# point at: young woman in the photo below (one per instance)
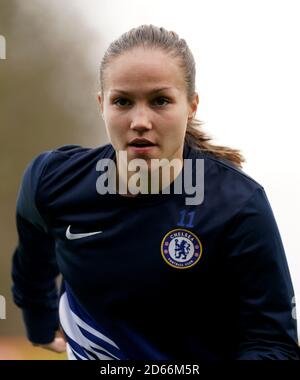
(151, 275)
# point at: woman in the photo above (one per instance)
(151, 274)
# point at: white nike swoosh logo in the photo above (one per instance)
(71, 236)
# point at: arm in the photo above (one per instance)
(34, 268)
(257, 263)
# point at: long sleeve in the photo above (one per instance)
(34, 268)
(258, 266)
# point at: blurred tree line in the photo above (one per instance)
(48, 86)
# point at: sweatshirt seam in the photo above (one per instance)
(232, 169)
(238, 213)
(37, 188)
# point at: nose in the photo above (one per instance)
(140, 119)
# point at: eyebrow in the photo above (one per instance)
(154, 91)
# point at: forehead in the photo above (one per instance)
(142, 70)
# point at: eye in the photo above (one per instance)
(161, 101)
(121, 102)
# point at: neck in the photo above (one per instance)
(150, 178)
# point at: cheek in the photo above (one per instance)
(115, 133)
(114, 123)
(179, 113)
(175, 124)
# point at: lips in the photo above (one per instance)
(141, 143)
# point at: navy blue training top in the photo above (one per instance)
(158, 279)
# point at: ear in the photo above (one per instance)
(100, 100)
(193, 106)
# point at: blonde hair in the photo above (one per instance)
(151, 36)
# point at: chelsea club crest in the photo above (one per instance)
(181, 248)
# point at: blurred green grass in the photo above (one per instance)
(19, 348)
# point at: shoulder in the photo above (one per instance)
(229, 171)
(59, 159)
(66, 152)
(50, 172)
(227, 188)
(58, 162)
(224, 169)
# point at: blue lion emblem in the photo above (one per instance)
(182, 249)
